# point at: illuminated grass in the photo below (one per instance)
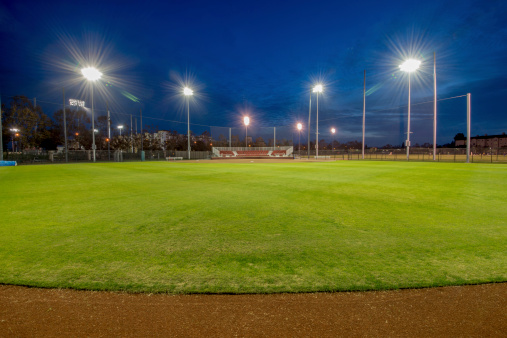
(217, 227)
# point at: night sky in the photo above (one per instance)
(261, 59)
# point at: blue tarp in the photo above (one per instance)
(7, 163)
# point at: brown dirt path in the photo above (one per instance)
(472, 311)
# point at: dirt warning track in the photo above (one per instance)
(472, 311)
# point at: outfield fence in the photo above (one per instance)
(80, 156)
(477, 155)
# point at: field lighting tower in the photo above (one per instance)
(317, 89)
(188, 92)
(92, 74)
(409, 66)
(246, 120)
(300, 126)
(120, 127)
(14, 133)
(332, 131)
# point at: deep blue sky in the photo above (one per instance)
(262, 58)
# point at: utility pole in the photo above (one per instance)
(309, 120)
(1, 133)
(108, 132)
(469, 122)
(142, 134)
(364, 108)
(65, 128)
(434, 106)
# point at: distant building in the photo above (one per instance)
(163, 135)
(486, 141)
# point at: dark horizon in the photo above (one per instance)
(262, 59)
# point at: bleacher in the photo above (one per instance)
(253, 153)
(279, 153)
(227, 153)
(243, 152)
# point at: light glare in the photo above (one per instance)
(300, 126)
(410, 65)
(333, 130)
(317, 88)
(187, 91)
(91, 73)
(246, 120)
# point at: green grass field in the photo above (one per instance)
(211, 227)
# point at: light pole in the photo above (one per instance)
(317, 89)
(409, 66)
(309, 123)
(188, 92)
(246, 120)
(92, 74)
(300, 126)
(14, 133)
(120, 127)
(332, 131)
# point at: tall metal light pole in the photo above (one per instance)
(188, 92)
(469, 123)
(300, 126)
(332, 140)
(317, 89)
(65, 128)
(14, 133)
(364, 111)
(309, 121)
(434, 106)
(92, 74)
(409, 66)
(246, 120)
(108, 133)
(1, 133)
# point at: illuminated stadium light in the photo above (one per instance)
(91, 73)
(411, 65)
(317, 88)
(246, 120)
(300, 126)
(333, 130)
(188, 92)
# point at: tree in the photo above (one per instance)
(34, 126)
(222, 141)
(77, 121)
(459, 136)
(259, 142)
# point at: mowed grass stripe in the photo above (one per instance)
(255, 227)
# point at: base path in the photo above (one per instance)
(472, 311)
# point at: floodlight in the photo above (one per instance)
(410, 65)
(300, 126)
(317, 88)
(187, 91)
(333, 130)
(246, 119)
(91, 73)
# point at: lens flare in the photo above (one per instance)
(91, 73)
(411, 65)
